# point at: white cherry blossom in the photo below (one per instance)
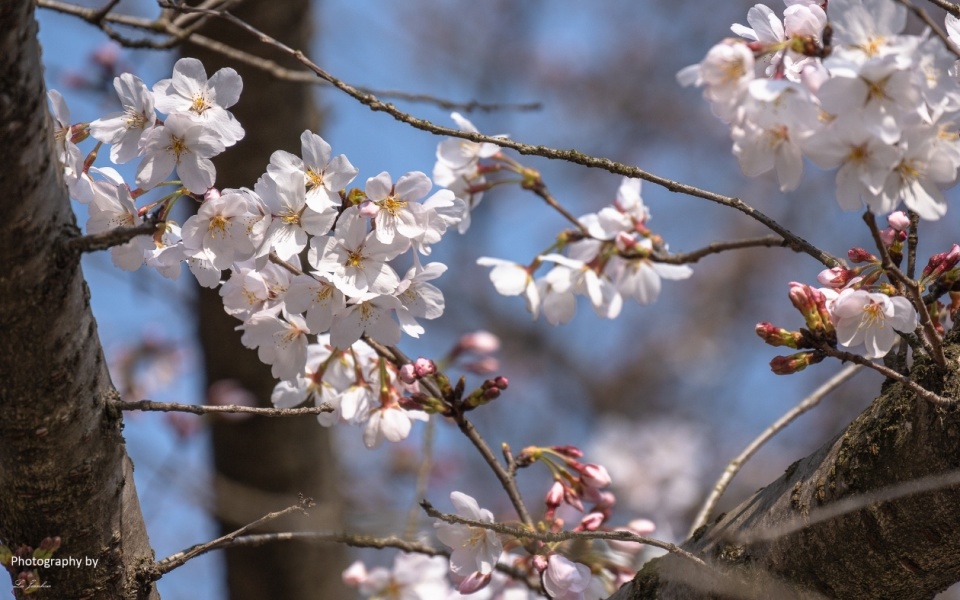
(190, 92)
(867, 322)
(124, 129)
(474, 549)
(181, 144)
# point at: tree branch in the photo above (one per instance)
(735, 465)
(108, 239)
(769, 241)
(150, 405)
(179, 30)
(573, 156)
(179, 559)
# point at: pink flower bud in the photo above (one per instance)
(591, 522)
(888, 236)
(484, 366)
(474, 583)
(625, 241)
(481, 342)
(211, 194)
(898, 220)
(554, 495)
(860, 255)
(503, 383)
(776, 336)
(568, 451)
(368, 209)
(595, 476)
(786, 365)
(424, 366)
(408, 373)
(837, 277)
(540, 563)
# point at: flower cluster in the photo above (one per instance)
(611, 258)
(847, 89)
(305, 323)
(856, 309)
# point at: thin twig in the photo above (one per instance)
(177, 34)
(891, 374)
(734, 466)
(562, 536)
(180, 558)
(508, 482)
(108, 239)
(150, 405)
(913, 238)
(930, 338)
(573, 156)
(950, 7)
(770, 241)
(539, 188)
(933, 25)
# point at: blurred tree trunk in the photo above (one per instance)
(262, 464)
(64, 469)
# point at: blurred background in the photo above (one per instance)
(664, 396)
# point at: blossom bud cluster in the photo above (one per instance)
(846, 88)
(609, 260)
(305, 323)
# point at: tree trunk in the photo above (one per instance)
(874, 513)
(64, 470)
(263, 464)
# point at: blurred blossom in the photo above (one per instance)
(657, 466)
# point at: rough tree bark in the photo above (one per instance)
(871, 514)
(64, 470)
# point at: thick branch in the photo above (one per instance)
(871, 514)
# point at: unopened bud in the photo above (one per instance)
(474, 583)
(408, 374)
(775, 336)
(595, 476)
(540, 563)
(837, 277)
(481, 342)
(568, 451)
(898, 220)
(591, 521)
(554, 495)
(860, 255)
(805, 299)
(211, 194)
(484, 366)
(787, 365)
(424, 367)
(368, 209)
(942, 262)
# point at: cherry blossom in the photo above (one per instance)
(179, 144)
(124, 129)
(189, 92)
(474, 548)
(323, 176)
(866, 322)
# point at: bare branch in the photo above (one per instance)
(186, 25)
(891, 374)
(951, 7)
(109, 239)
(933, 25)
(769, 241)
(734, 466)
(573, 156)
(179, 559)
(150, 405)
